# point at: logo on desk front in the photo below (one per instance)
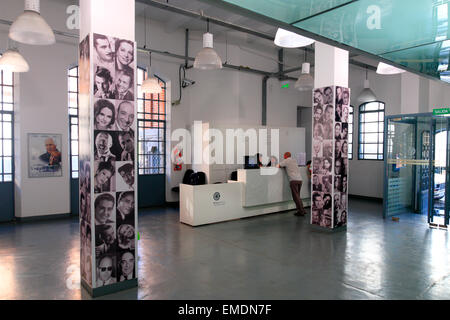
(216, 196)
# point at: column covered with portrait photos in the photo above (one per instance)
(107, 147)
(329, 199)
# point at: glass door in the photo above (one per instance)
(400, 166)
(439, 200)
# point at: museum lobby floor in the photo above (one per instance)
(277, 256)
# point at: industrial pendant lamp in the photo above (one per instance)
(12, 60)
(305, 82)
(384, 68)
(151, 84)
(30, 27)
(288, 39)
(207, 58)
(366, 94)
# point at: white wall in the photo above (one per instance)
(41, 107)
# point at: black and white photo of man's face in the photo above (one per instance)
(105, 268)
(103, 48)
(125, 115)
(337, 167)
(328, 93)
(127, 263)
(127, 176)
(123, 83)
(318, 97)
(126, 142)
(102, 143)
(104, 211)
(317, 114)
(108, 235)
(318, 201)
(328, 113)
(102, 84)
(126, 204)
(316, 180)
(346, 98)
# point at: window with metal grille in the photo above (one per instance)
(6, 125)
(371, 131)
(350, 132)
(72, 78)
(151, 114)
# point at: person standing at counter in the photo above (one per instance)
(295, 181)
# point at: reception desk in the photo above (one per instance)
(257, 192)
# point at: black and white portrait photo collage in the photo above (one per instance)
(114, 155)
(107, 161)
(330, 156)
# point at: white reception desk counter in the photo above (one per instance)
(257, 192)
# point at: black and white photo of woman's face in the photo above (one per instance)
(125, 53)
(346, 98)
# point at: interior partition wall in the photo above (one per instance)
(416, 168)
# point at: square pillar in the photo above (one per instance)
(107, 146)
(331, 101)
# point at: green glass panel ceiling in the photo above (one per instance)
(413, 33)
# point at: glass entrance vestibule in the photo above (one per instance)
(416, 166)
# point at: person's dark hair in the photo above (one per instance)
(98, 37)
(127, 167)
(100, 105)
(329, 161)
(127, 73)
(104, 73)
(318, 108)
(327, 88)
(103, 197)
(329, 106)
(105, 166)
(125, 194)
(316, 195)
(123, 133)
(309, 162)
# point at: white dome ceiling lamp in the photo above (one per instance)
(366, 94)
(305, 82)
(12, 60)
(386, 69)
(151, 84)
(207, 58)
(30, 27)
(288, 39)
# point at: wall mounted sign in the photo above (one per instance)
(44, 155)
(441, 112)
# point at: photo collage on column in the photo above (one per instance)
(341, 156)
(84, 166)
(322, 157)
(114, 144)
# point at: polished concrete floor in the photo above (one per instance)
(277, 256)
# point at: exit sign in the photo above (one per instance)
(441, 111)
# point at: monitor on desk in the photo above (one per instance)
(251, 162)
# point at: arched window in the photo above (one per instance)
(6, 125)
(151, 114)
(72, 85)
(371, 131)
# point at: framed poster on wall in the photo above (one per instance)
(44, 155)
